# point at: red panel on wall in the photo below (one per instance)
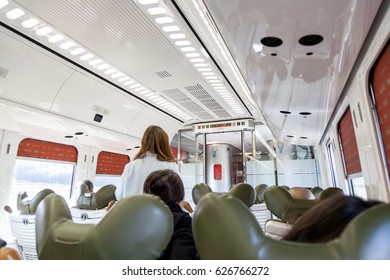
(111, 163)
(47, 150)
(217, 172)
(348, 142)
(381, 88)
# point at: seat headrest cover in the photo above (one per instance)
(224, 228)
(26, 206)
(260, 190)
(100, 199)
(245, 192)
(329, 192)
(137, 227)
(239, 229)
(316, 191)
(199, 190)
(281, 203)
(301, 193)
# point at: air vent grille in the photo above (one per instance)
(164, 74)
(202, 95)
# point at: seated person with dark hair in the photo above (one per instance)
(326, 220)
(89, 184)
(169, 187)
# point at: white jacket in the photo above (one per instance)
(136, 171)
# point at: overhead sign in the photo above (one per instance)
(231, 125)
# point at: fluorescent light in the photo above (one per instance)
(200, 65)
(147, 2)
(3, 3)
(15, 13)
(110, 71)
(28, 23)
(123, 79)
(192, 55)
(177, 36)
(139, 88)
(116, 75)
(44, 31)
(134, 86)
(156, 11)
(95, 61)
(162, 20)
(86, 56)
(171, 28)
(77, 51)
(188, 49)
(67, 45)
(204, 69)
(197, 60)
(129, 82)
(56, 38)
(183, 43)
(102, 66)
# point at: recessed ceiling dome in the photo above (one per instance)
(311, 40)
(271, 41)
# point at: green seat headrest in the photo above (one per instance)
(29, 206)
(137, 227)
(225, 229)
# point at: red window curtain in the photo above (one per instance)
(34, 148)
(381, 89)
(349, 145)
(111, 163)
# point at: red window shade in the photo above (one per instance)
(348, 142)
(47, 150)
(381, 89)
(111, 163)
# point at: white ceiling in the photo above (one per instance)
(261, 81)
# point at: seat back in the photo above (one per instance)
(137, 227)
(95, 200)
(29, 206)
(23, 230)
(243, 191)
(316, 191)
(260, 190)
(225, 229)
(301, 193)
(284, 206)
(324, 194)
(199, 190)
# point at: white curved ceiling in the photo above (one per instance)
(252, 79)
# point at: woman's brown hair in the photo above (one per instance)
(166, 184)
(155, 140)
(327, 219)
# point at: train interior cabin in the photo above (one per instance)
(253, 94)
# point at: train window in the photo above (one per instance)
(109, 169)
(330, 153)
(350, 155)
(103, 180)
(43, 165)
(379, 94)
(33, 175)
